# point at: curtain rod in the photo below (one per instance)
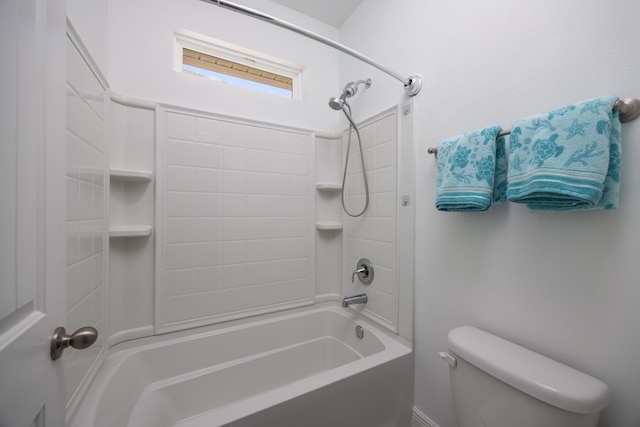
(412, 84)
(628, 108)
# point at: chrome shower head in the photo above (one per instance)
(337, 103)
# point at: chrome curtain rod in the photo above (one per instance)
(412, 84)
(629, 109)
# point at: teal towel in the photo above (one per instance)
(567, 159)
(500, 180)
(466, 171)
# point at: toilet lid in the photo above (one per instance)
(532, 373)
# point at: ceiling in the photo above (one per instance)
(332, 12)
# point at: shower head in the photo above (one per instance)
(337, 103)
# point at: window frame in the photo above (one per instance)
(185, 39)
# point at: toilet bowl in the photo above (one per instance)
(496, 383)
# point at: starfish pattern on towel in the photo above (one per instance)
(576, 128)
(594, 106)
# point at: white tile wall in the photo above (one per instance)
(86, 211)
(373, 235)
(235, 223)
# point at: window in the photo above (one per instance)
(210, 58)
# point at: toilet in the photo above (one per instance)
(496, 383)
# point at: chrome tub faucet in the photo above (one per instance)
(355, 299)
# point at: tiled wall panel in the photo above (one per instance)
(235, 219)
(86, 211)
(373, 235)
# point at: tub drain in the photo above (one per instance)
(359, 331)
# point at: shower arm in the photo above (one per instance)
(412, 84)
(352, 88)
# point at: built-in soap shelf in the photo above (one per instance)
(329, 226)
(130, 231)
(134, 178)
(329, 187)
(131, 175)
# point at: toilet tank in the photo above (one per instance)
(496, 383)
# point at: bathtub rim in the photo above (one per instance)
(395, 346)
(163, 338)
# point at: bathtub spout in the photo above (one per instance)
(356, 299)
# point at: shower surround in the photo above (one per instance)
(235, 239)
(235, 218)
(234, 207)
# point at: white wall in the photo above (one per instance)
(141, 54)
(562, 284)
(89, 18)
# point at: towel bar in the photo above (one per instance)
(629, 109)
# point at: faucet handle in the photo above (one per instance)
(364, 271)
(358, 271)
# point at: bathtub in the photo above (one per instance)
(303, 367)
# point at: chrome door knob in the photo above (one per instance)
(82, 338)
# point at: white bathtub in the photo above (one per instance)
(304, 367)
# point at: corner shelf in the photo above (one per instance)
(328, 193)
(135, 179)
(130, 231)
(131, 175)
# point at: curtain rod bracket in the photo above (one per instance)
(413, 87)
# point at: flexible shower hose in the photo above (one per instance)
(353, 126)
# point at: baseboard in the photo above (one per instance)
(421, 420)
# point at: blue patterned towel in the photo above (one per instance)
(500, 180)
(567, 159)
(466, 171)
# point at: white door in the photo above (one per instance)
(32, 210)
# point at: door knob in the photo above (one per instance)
(82, 338)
